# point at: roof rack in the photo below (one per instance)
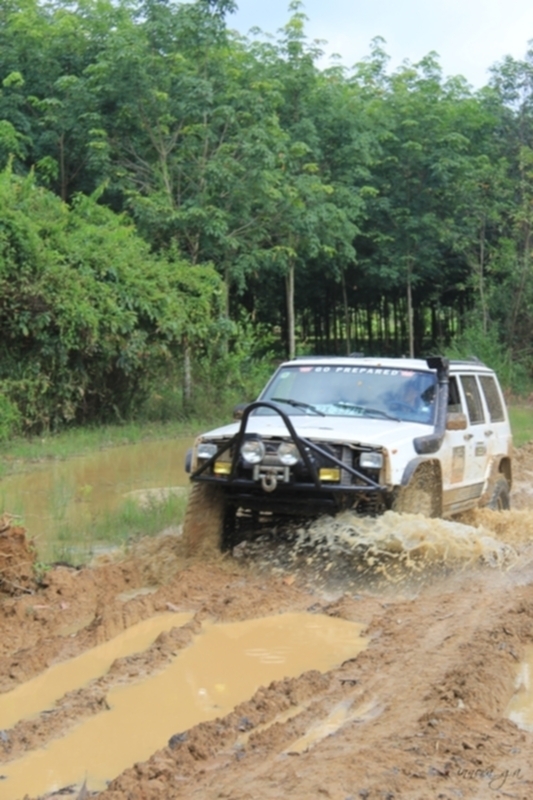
(314, 355)
(306, 358)
(469, 360)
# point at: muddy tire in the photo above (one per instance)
(204, 518)
(500, 496)
(422, 495)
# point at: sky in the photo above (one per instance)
(468, 35)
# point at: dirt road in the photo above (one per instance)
(419, 714)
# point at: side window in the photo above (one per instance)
(492, 397)
(454, 398)
(473, 399)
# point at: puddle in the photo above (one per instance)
(224, 666)
(520, 709)
(78, 489)
(279, 719)
(335, 720)
(339, 716)
(41, 692)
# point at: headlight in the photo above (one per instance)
(253, 451)
(206, 450)
(371, 460)
(288, 454)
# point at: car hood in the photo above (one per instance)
(362, 430)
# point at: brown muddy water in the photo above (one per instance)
(349, 552)
(73, 493)
(225, 665)
(39, 693)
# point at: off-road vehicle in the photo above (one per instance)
(370, 434)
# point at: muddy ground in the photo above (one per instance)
(447, 626)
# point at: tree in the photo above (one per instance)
(88, 317)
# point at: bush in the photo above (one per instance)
(513, 374)
(89, 317)
(9, 418)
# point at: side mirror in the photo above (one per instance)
(238, 410)
(456, 422)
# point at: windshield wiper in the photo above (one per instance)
(298, 404)
(366, 410)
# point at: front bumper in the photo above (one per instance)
(324, 478)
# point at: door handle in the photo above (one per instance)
(489, 433)
(468, 436)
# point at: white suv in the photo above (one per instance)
(329, 433)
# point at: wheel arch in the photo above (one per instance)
(420, 475)
(421, 463)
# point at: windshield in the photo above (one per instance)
(349, 391)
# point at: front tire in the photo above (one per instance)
(204, 518)
(422, 495)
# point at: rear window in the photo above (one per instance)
(473, 399)
(492, 397)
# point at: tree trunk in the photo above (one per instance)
(289, 288)
(187, 379)
(369, 328)
(482, 298)
(347, 326)
(410, 321)
(335, 324)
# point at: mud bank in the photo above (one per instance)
(420, 713)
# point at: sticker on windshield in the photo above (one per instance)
(356, 370)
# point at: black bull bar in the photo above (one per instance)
(239, 484)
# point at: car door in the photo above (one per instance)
(464, 449)
(478, 435)
(498, 431)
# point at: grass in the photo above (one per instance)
(77, 543)
(21, 453)
(521, 424)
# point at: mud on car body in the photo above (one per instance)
(371, 434)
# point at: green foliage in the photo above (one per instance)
(514, 375)
(9, 417)
(88, 317)
(339, 207)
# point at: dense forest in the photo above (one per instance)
(179, 202)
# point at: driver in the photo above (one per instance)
(420, 398)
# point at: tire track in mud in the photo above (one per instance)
(425, 725)
(213, 592)
(424, 705)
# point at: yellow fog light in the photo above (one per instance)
(330, 474)
(222, 467)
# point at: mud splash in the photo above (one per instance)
(349, 552)
(225, 665)
(412, 539)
